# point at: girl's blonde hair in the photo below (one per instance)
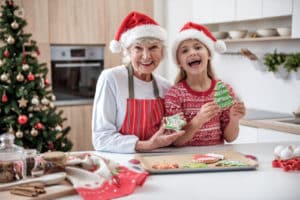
(182, 74)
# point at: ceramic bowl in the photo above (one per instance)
(220, 34)
(236, 34)
(283, 31)
(266, 32)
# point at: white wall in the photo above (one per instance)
(257, 89)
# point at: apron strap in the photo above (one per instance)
(131, 86)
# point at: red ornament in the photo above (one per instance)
(38, 52)
(39, 126)
(30, 77)
(22, 119)
(47, 82)
(11, 3)
(50, 145)
(4, 98)
(6, 53)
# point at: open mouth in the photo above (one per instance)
(147, 64)
(194, 63)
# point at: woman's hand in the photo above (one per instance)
(207, 111)
(237, 111)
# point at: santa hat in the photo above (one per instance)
(196, 31)
(136, 25)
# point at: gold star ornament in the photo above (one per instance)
(22, 102)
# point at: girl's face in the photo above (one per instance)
(193, 56)
(145, 58)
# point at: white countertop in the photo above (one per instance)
(264, 183)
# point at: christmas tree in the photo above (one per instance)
(222, 96)
(26, 104)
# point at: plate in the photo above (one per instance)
(147, 162)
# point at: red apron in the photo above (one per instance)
(143, 116)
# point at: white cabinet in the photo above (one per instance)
(267, 135)
(248, 9)
(213, 11)
(274, 8)
(247, 134)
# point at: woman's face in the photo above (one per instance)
(145, 57)
(193, 56)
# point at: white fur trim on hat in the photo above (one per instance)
(115, 46)
(213, 46)
(148, 30)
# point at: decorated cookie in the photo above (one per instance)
(175, 122)
(222, 96)
(165, 166)
(207, 158)
(231, 163)
(195, 165)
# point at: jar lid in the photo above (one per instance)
(8, 150)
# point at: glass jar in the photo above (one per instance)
(12, 165)
(30, 156)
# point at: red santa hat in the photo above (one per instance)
(196, 31)
(136, 25)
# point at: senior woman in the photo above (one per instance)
(128, 105)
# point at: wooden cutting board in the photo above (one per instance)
(147, 162)
(52, 192)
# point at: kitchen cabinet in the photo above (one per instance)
(115, 11)
(268, 135)
(247, 134)
(79, 118)
(248, 9)
(76, 21)
(275, 8)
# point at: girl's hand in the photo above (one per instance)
(207, 111)
(237, 111)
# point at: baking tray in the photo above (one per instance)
(147, 161)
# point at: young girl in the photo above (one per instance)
(193, 93)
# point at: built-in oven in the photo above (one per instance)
(75, 70)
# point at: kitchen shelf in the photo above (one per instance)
(259, 39)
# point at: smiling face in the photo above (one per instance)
(193, 57)
(145, 56)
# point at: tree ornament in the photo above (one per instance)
(19, 134)
(2, 62)
(47, 82)
(20, 77)
(25, 67)
(45, 101)
(22, 102)
(4, 98)
(11, 2)
(14, 25)
(30, 77)
(58, 128)
(34, 54)
(35, 100)
(4, 77)
(6, 53)
(19, 13)
(10, 40)
(51, 105)
(11, 130)
(39, 126)
(22, 119)
(50, 145)
(53, 97)
(42, 83)
(34, 132)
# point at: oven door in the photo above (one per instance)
(75, 80)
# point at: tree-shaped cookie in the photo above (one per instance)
(222, 96)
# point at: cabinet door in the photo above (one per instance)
(247, 134)
(76, 21)
(115, 12)
(248, 9)
(267, 135)
(79, 118)
(274, 8)
(213, 11)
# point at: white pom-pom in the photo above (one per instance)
(278, 150)
(115, 46)
(297, 151)
(286, 153)
(220, 46)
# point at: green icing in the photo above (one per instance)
(195, 165)
(231, 163)
(222, 96)
(175, 122)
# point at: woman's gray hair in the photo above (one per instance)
(144, 40)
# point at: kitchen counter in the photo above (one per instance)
(264, 183)
(270, 120)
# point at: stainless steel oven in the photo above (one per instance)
(75, 70)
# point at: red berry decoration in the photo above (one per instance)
(47, 82)
(4, 98)
(50, 145)
(30, 77)
(39, 126)
(6, 53)
(22, 119)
